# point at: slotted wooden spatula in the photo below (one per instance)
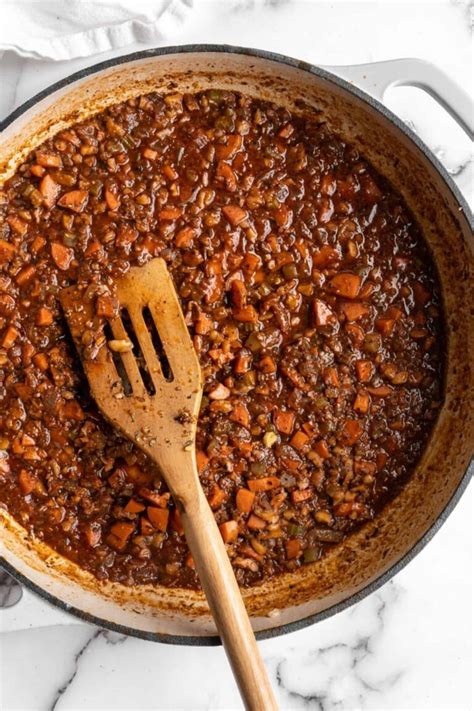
(146, 379)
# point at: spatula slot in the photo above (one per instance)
(137, 351)
(157, 344)
(119, 366)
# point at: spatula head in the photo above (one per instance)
(138, 357)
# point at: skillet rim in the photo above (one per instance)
(464, 210)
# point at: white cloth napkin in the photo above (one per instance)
(64, 29)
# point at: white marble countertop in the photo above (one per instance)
(408, 646)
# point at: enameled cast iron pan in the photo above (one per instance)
(369, 557)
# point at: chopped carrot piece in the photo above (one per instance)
(380, 391)
(229, 531)
(247, 314)
(203, 325)
(351, 431)
(170, 213)
(150, 154)
(298, 495)
(225, 171)
(345, 284)
(37, 170)
(238, 293)
(242, 362)
(322, 449)
(126, 236)
(41, 361)
(309, 428)
(184, 237)
(265, 484)
(18, 225)
(217, 497)
(160, 500)
(328, 185)
(7, 251)
(9, 337)
(235, 214)
(23, 390)
(176, 522)
(353, 310)
(331, 377)
(50, 190)
(119, 534)
(48, 160)
(158, 517)
(364, 370)
(244, 500)
(27, 349)
(292, 464)
(113, 203)
(361, 403)
(135, 474)
(267, 364)
(62, 255)
(356, 333)
(133, 506)
(347, 508)
(73, 410)
(284, 218)
(25, 275)
(299, 440)
(37, 244)
(93, 534)
(238, 162)
(58, 437)
(286, 131)
(202, 460)
(44, 317)
(326, 256)
(26, 481)
(243, 447)
(323, 315)
(251, 262)
(284, 420)
(240, 414)
(394, 312)
(256, 523)
(146, 527)
(169, 171)
(293, 548)
(385, 326)
(94, 247)
(233, 144)
(75, 200)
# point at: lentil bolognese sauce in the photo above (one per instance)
(314, 307)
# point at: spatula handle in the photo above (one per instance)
(226, 604)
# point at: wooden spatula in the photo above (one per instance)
(146, 379)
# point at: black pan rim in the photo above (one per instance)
(464, 209)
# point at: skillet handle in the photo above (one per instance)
(377, 77)
(225, 601)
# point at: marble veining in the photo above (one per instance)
(349, 659)
(406, 647)
(109, 637)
